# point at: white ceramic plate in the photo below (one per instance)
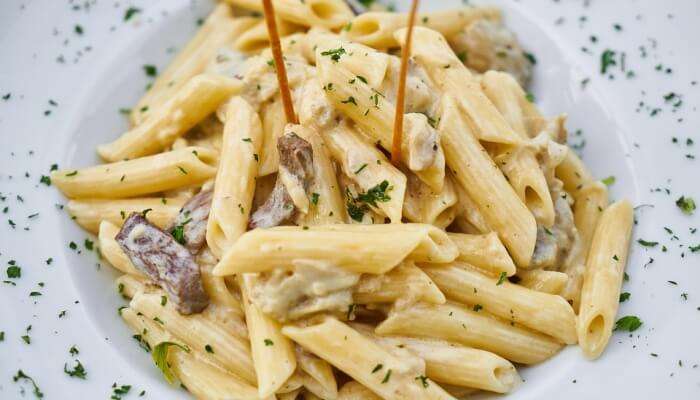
(60, 95)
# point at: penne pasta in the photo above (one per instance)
(110, 250)
(360, 248)
(405, 283)
(373, 113)
(273, 354)
(197, 331)
(140, 176)
(192, 102)
(479, 177)
(90, 213)
(235, 179)
(552, 282)
(336, 342)
(368, 168)
(325, 13)
(355, 391)
(590, 201)
(318, 374)
(539, 311)
(201, 378)
(327, 202)
(485, 252)
(455, 364)
(376, 29)
(573, 173)
(217, 30)
(424, 205)
(256, 38)
(273, 122)
(605, 267)
(459, 324)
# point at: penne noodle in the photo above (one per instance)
(371, 249)
(229, 351)
(539, 311)
(573, 173)
(422, 204)
(431, 51)
(459, 324)
(235, 179)
(204, 380)
(479, 177)
(217, 30)
(368, 168)
(371, 111)
(318, 374)
(140, 176)
(337, 343)
(273, 354)
(376, 29)
(329, 14)
(485, 252)
(327, 205)
(355, 391)
(184, 109)
(256, 38)
(405, 282)
(468, 219)
(110, 250)
(552, 282)
(458, 365)
(90, 213)
(273, 123)
(590, 201)
(605, 267)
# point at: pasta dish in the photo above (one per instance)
(269, 255)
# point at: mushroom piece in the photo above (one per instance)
(165, 261)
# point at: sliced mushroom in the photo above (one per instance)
(190, 225)
(295, 176)
(165, 261)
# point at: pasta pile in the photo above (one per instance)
(267, 260)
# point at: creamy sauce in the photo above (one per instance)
(310, 288)
(488, 45)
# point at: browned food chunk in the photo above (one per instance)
(296, 157)
(165, 261)
(190, 225)
(554, 244)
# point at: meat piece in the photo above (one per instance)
(486, 45)
(190, 225)
(554, 244)
(165, 261)
(296, 173)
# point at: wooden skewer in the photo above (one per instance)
(279, 61)
(401, 94)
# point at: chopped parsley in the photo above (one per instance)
(501, 279)
(160, 358)
(377, 368)
(477, 307)
(646, 243)
(14, 271)
(686, 204)
(269, 342)
(78, 370)
(21, 375)
(209, 349)
(334, 53)
(46, 180)
(150, 70)
(607, 59)
(609, 180)
(119, 391)
(130, 12)
(624, 297)
(349, 100)
(629, 323)
(423, 380)
(387, 376)
(363, 166)
(314, 198)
